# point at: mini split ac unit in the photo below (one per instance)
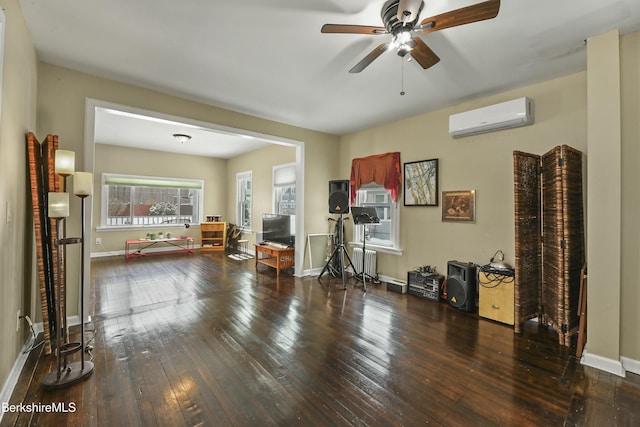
(506, 115)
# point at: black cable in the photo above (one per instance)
(494, 278)
(34, 345)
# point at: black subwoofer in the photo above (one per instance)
(462, 285)
(339, 196)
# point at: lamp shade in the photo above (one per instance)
(65, 162)
(83, 183)
(58, 205)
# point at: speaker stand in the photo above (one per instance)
(340, 252)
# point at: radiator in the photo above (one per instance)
(369, 261)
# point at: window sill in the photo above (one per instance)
(377, 248)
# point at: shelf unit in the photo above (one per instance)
(213, 236)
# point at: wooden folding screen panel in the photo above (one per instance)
(528, 234)
(553, 269)
(43, 179)
(563, 239)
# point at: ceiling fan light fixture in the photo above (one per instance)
(181, 137)
(402, 42)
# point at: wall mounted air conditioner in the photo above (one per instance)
(506, 115)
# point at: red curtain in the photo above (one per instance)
(383, 169)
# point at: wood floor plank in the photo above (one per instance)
(207, 340)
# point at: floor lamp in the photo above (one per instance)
(66, 373)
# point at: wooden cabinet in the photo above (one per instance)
(496, 297)
(213, 236)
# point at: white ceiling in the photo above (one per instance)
(152, 132)
(269, 59)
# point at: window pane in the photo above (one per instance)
(119, 205)
(131, 204)
(377, 197)
(244, 199)
(286, 200)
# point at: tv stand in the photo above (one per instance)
(275, 256)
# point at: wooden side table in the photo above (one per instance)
(274, 256)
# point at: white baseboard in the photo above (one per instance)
(106, 254)
(18, 365)
(631, 365)
(14, 374)
(604, 364)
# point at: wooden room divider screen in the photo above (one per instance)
(549, 234)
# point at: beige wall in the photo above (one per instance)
(604, 174)
(58, 86)
(19, 89)
(630, 254)
(114, 159)
(483, 163)
(260, 163)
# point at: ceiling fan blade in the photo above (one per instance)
(466, 15)
(408, 10)
(370, 58)
(352, 29)
(423, 54)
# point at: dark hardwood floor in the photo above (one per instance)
(206, 340)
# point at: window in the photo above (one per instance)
(284, 189)
(129, 200)
(385, 234)
(243, 207)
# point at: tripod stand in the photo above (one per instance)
(363, 216)
(337, 257)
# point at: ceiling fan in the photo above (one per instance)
(400, 18)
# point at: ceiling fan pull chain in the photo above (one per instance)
(402, 78)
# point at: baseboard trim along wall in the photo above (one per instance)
(631, 365)
(14, 374)
(604, 364)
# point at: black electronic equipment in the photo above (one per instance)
(462, 285)
(424, 285)
(339, 196)
(278, 229)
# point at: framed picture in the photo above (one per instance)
(459, 206)
(421, 183)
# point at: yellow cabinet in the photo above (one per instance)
(496, 298)
(213, 236)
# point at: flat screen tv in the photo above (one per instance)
(278, 229)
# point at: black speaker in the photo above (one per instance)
(462, 285)
(339, 196)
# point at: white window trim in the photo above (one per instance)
(239, 176)
(104, 203)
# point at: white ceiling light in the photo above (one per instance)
(181, 137)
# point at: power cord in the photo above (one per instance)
(34, 345)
